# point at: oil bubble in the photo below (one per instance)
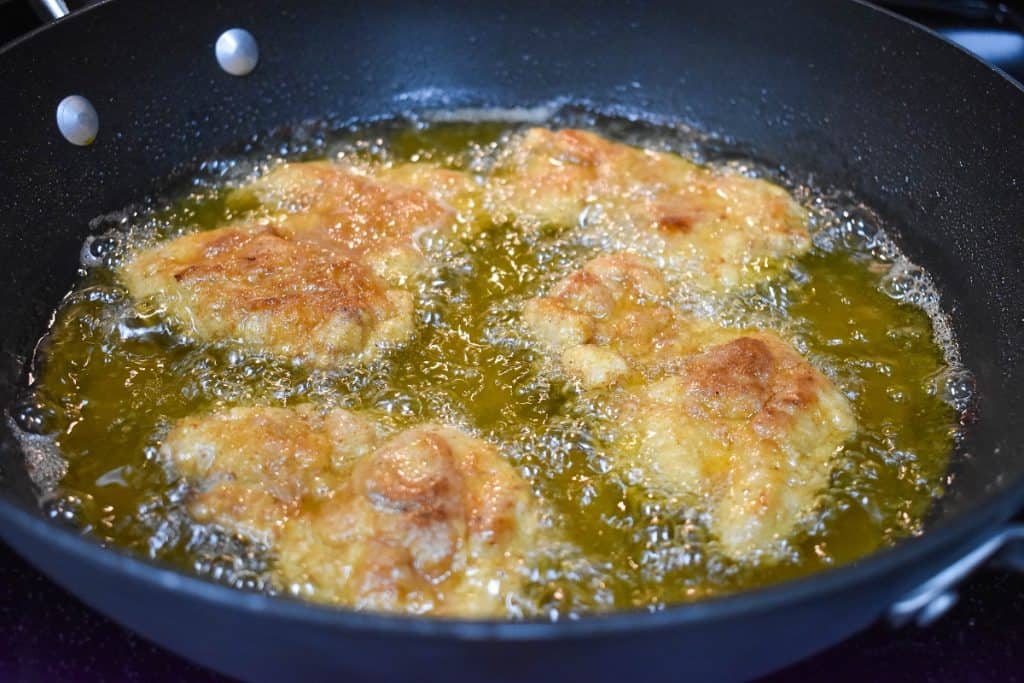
(34, 416)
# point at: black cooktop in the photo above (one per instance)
(48, 635)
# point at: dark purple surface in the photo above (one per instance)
(47, 635)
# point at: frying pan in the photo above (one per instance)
(837, 91)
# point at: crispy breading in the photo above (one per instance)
(749, 427)
(383, 216)
(430, 520)
(250, 285)
(453, 189)
(715, 229)
(610, 318)
(256, 469)
(737, 419)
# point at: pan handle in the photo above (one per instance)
(934, 597)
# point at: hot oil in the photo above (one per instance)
(114, 376)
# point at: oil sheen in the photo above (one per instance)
(112, 376)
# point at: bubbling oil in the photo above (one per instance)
(113, 375)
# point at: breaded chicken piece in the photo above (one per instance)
(739, 420)
(384, 217)
(429, 520)
(713, 228)
(610, 319)
(433, 521)
(250, 285)
(749, 427)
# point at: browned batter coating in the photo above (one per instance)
(452, 189)
(737, 419)
(250, 285)
(611, 319)
(429, 520)
(383, 216)
(712, 228)
(749, 427)
(255, 469)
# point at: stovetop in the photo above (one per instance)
(48, 635)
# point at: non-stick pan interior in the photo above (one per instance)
(849, 97)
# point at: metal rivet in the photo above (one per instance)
(77, 120)
(237, 52)
(56, 9)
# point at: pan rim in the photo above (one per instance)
(951, 540)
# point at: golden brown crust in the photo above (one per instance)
(749, 427)
(610, 317)
(455, 190)
(249, 285)
(714, 229)
(734, 379)
(311, 280)
(430, 520)
(379, 215)
(255, 468)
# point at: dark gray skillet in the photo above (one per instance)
(923, 132)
